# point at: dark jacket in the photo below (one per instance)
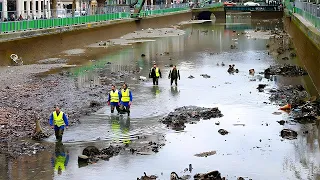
(174, 74)
(152, 73)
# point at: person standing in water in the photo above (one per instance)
(155, 73)
(174, 74)
(114, 99)
(57, 121)
(126, 98)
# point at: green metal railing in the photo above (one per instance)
(309, 17)
(162, 11)
(15, 26)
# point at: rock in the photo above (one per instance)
(267, 45)
(281, 122)
(261, 87)
(217, 123)
(285, 70)
(91, 151)
(39, 136)
(285, 58)
(240, 178)
(111, 151)
(288, 134)
(190, 77)
(145, 177)
(83, 158)
(182, 115)
(143, 55)
(94, 104)
(232, 46)
(213, 175)
(223, 132)
(205, 75)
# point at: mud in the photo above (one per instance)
(28, 96)
(140, 37)
(285, 70)
(177, 119)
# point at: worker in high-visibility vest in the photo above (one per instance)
(61, 158)
(155, 73)
(58, 120)
(114, 99)
(126, 99)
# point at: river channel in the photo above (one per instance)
(253, 149)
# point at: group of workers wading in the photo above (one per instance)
(119, 100)
(155, 74)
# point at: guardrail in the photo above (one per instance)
(309, 11)
(25, 25)
(253, 8)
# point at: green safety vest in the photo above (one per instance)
(157, 72)
(114, 96)
(125, 95)
(58, 119)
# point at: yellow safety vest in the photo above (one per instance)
(60, 160)
(114, 96)
(58, 120)
(157, 72)
(125, 95)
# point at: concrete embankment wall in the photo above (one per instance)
(40, 47)
(306, 39)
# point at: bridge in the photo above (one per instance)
(220, 11)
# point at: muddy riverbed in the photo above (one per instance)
(241, 140)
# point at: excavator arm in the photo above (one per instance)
(137, 8)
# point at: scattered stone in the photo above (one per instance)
(205, 75)
(232, 46)
(293, 54)
(143, 55)
(145, 177)
(285, 70)
(83, 158)
(39, 136)
(217, 123)
(288, 134)
(223, 132)
(240, 178)
(261, 87)
(285, 58)
(213, 175)
(281, 122)
(191, 77)
(206, 154)
(277, 113)
(182, 115)
(267, 45)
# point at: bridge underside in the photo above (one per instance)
(220, 15)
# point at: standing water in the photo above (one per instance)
(253, 149)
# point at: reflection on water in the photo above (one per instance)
(174, 90)
(254, 150)
(121, 129)
(60, 159)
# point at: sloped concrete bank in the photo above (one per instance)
(306, 39)
(51, 43)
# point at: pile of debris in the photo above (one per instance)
(294, 95)
(182, 115)
(92, 154)
(285, 70)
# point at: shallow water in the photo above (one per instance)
(254, 150)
